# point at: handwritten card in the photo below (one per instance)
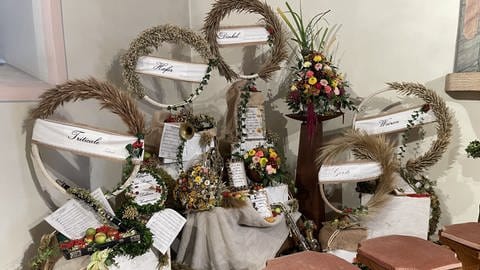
(238, 176)
(171, 69)
(242, 35)
(260, 202)
(100, 197)
(254, 124)
(165, 226)
(144, 187)
(73, 219)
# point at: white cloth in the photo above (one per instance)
(236, 238)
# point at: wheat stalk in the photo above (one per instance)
(221, 9)
(118, 102)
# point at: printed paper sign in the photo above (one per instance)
(254, 123)
(171, 69)
(165, 226)
(349, 172)
(73, 219)
(393, 122)
(260, 202)
(238, 176)
(242, 35)
(171, 140)
(81, 140)
(98, 195)
(277, 194)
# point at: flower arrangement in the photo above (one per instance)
(264, 165)
(318, 88)
(197, 188)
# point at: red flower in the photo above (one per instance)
(104, 229)
(253, 88)
(270, 30)
(67, 245)
(170, 119)
(137, 144)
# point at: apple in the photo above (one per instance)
(100, 238)
(90, 232)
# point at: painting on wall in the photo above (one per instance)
(464, 82)
(467, 57)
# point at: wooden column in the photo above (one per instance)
(306, 180)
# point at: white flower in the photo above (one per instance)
(307, 64)
(336, 91)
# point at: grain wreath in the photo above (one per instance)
(365, 147)
(223, 8)
(151, 39)
(118, 102)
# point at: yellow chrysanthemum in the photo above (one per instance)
(263, 162)
(334, 83)
(312, 80)
(273, 154)
(271, 150)
(317, 58)
(293, 87)
(251, 152)
(198, 179)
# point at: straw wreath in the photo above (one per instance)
(223, 8)
(366, 147)
(151, 39)
(118, 102)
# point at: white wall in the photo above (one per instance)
(381, 41)
(21, 36)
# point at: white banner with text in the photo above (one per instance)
(394, 122)
(81, 140)
(349, 172)
(242, 35)
(171, 69)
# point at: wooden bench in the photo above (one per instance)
(464, 239)
(405, 252)
(309, 260)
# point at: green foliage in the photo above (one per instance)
(42, 257)
(473, 149)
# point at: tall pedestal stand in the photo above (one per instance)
(306, 179)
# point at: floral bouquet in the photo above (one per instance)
(198, 188)
(263, 165)
(318, 88)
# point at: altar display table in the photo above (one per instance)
(464, 239)
(233, 238)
